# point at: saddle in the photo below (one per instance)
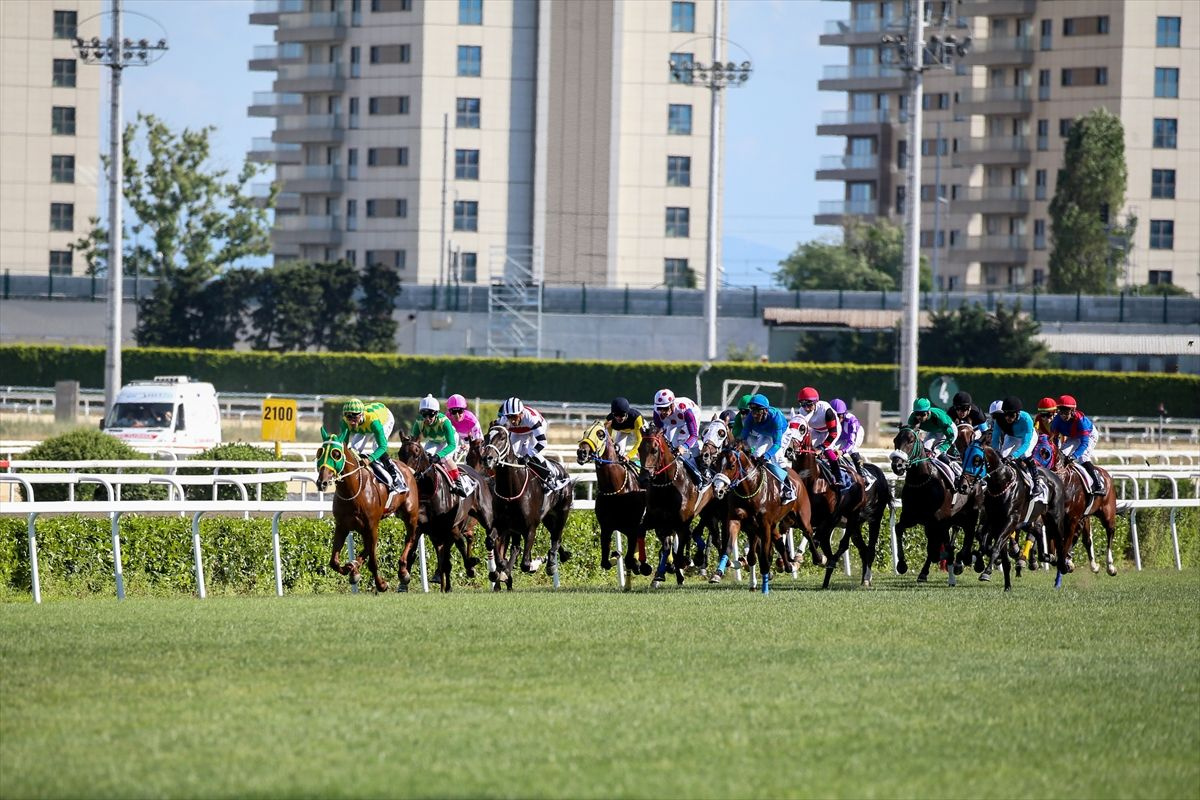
(843, 484)
(381, 474)
(951, 472)
(1044, 494)
(1087, 479)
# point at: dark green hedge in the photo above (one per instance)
(372, 375)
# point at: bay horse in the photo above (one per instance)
(1079, 506)
(1009, 505)
(672, 501)
(448, 520)
(360, 501)
(972, 546)
(746, 483)
(520, 503)
(620, 499)
(929, 499)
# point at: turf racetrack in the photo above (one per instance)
(898, 691)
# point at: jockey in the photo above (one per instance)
(365, 425)
(439, 438)
(1046, 408)
(676, 418)
(963, 410)
(743, 413)
(822, 422)
(527, 438)
(466, 425)
(763, 433)
(1079, 436)
(852, 434)
(940, 431)
(624, 425)
(1013, 438)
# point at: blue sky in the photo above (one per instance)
(771, 150)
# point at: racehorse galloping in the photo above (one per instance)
(1079, 506)
(672, 502)
(520, 503)
(360, 501)
(620, 499)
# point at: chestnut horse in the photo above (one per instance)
(360, 501)
(1079, 506)
(620, 499)
(672, 501)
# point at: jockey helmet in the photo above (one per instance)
(512, 407)
(1011, 404)
(664, 398)
(962, 399)
(456, 401)
(838, 406)
(997, 407)
(727, 416)
(353, 407)
(808, 394)
(1047, 405)
(429, 404)
(1066, 401)
(744, 402)
(921, 405)
(759, 401)
(620, 405)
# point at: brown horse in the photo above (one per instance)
(360, 501)
(1079, 506)
(448, 520)
(620, 499)
(520, 503)
(672, 501)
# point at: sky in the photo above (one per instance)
(771, 146)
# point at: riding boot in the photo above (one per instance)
(392, 472)
(546, 472)
(788, 492)
(1097, 485)
(1035, 474)
(858, 465)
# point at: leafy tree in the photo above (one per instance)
(973, 337)
(870, 257)
(289, 300)
(848, 347)
(222, 305)
(333, 320)
(376, 328)
(1087, 198)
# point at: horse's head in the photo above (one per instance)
(1044, 452)
(975, 466)
(410, 451)
(716, 436)
(496, 446)
(654, 453)
(795, 440)
(733, 466)
(906, 447)
(331, 460)
(966, 435)
(593, 442)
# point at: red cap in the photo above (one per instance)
(1066, 401)
(1047, 404)
(808, 393)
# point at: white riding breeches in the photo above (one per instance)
(524, 444)
(760, 444)
(365, 442)
(623, 442)
(1009, 445)
(1079, 448)
(432, 448)
(932, 440)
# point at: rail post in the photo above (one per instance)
(196, 554)
(33, 558)
(275, 554)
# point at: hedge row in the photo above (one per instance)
(374, 375)
(74, 555)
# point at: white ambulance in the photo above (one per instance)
(171, 410)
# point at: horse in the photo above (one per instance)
(449, 520)
(929, 499)
(520, 502)
(718, 518)
(1079, 506)
(620, 499)
(360, 501)
(672, 501)
(966, 433)
(474, 458)
(1010, 505)
(744, 480)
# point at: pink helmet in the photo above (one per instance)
(456, 401)
(664, 398)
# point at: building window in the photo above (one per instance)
(62, 120)
(1165, 130)
(679, 171)
(1161, 277)
(467, 114)
(1043, 84)
(1162, 234)
(383, 6)
(351, 258)
(1168, 32)
(677, 222)
(66, 24)
(64, 72)
(386, 258)
(387, 157)
(683, 17)
(681, 67)
(1085, 26)
(388, 105)
(390, 54)
(1039, 234)
(1064, 127)
(466, 164)
(352, 163)
(1166, 82)
(387, 207)
(352, 215)
(1162, 184)
(676, 272)
(466, 215)
(470, 12)
(355, 62)
(1043, 134)
(62, 216)
(62, 169)
(679, 119)
(60, 260)
(1039, 184)
(1047, 34)
(470, 59)
(468, 267)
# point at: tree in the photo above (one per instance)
(973, 337)
(333, 322)
(1088, 196)
(376, 327)
(870, 257)
(289, 302)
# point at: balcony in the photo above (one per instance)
(266, 151)
(852, 123)
(1013, 200)
(260, 193)
(1003, 100)
(861, 77)
(275, 104)
(312, 178)
(316, 78)
(850, 167)
(1002, 50)
(998, 150)
(269, 57)
(310, 128)
(996, 8)
(302, 229)
(329, 26)
(837, 212)
(992, 249)
(858, 31)
(266, 12)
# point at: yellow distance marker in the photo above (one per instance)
(278, 421)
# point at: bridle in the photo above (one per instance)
(668, 458)
(500, 453)
(745, 474)
(594, 457)
(915, 455)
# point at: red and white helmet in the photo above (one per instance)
(664, 398)
(807, 394)
(455, 401)
(1066, 401)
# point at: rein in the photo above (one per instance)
(339, 477)
(762, 480)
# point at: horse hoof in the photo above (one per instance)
(985, 576)
(402, 587)
(1069, 566)
(656, 583)
(716, 577)
(1008, 588)
(381, 587)
(979, 565)
(645, 568)
(354, 578)
(605, 564)
(866, 584)
(564, 555)
(958, 567)
(1095, 569)
(492, 576)
(496, 586)
(923, 578)
(1112, 570)
(902, 568)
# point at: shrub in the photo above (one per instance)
(234, 451)
(86, 444)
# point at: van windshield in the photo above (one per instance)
(141, 415)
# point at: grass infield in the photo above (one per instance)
(899, 691)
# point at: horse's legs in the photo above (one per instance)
(442, 551)
(1089, 544)
(1107, 514)
(851, 529)
(1006, 565)
(340, 532)
(370, 548)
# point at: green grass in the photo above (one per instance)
(900, 691)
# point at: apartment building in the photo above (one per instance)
(49, 134)
(996, 124)
(440, 138)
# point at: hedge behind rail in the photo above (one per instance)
(374, 375)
